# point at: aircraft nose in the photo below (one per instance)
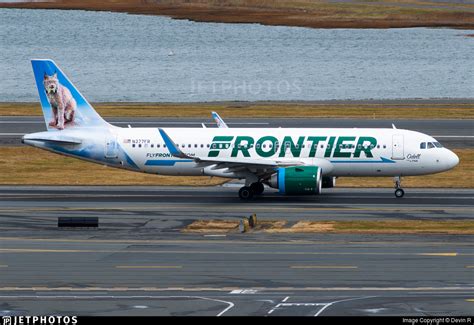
(452, 159)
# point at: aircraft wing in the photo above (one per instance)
(220, 122)
(228, 162)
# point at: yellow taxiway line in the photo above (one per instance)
(148, 267)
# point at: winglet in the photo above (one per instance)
(172, 147)
(220, 122)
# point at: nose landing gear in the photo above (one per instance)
(399, 192)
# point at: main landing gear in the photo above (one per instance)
(399, 192)
(248, 192)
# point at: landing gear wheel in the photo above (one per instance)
(399, 192)
(246, 193)
(257, 188)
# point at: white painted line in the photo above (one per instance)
(6, 134)
(284, 300)
(338, 301)
(243, 291)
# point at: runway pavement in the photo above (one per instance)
(138, 262)
(452, 133)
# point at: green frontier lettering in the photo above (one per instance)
(342, 148)
(314, 145)
(294, 148)
(372, 142)
(341, 145)
(272, 148)
(219, 142)
(329, 147)
(244, 148)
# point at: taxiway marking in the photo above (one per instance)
(148, 267)
(323, 267)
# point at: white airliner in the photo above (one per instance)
(297, 161)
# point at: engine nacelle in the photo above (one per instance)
(301, 180)
(329, 181)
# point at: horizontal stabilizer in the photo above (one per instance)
(51, 137)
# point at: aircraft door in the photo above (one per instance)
(111, 148)
(397, 147)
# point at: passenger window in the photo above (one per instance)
(157, 145)
(423, 145)
(213, 146)
(164, 146)
(133, 145)
(189, 146)
(139, 146)
(202, 146)
(208, 145)
(195, 146)
(270, 146)
(385, 146)
(152, 145)
(430, 145)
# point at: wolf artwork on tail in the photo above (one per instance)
(63, 105)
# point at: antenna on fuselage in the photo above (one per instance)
(393, 126)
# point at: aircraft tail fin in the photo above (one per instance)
(63, 105)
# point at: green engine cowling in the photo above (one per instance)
(301, 180)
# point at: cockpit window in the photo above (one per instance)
(423, 145)
(438, 145)
(430, 145)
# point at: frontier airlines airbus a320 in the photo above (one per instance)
(294, 161)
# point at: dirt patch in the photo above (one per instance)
(227, 226)
(451, 227)
(214, 226)
(306, 226)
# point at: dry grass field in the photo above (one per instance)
(304, 13)
(31, 166)
(262, 110)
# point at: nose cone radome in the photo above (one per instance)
(452, 160)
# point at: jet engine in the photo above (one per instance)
(300, 180)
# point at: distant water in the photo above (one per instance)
(121, 57)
